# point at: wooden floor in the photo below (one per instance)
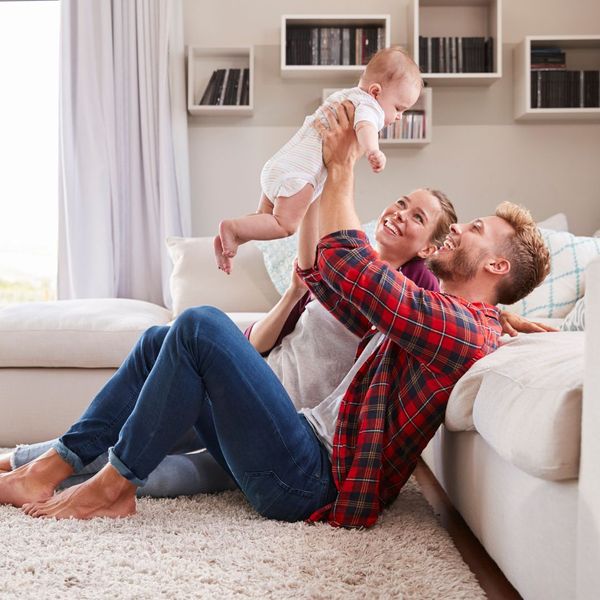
(490, 578)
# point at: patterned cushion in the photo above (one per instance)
(279, 256)
(575, 320)
(559, 292)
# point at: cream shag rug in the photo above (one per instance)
(217, 547)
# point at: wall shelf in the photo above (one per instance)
(329, 71)
(202, 62)
(457, 18)
(582, 53)
(424, 103)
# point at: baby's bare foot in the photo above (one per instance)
(229, 238)
(107, 494)
(223, 262)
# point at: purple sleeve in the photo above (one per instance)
(290, 322)
(417, 271)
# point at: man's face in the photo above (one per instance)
(406, 226)
(468, 248)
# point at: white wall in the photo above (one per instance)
(479, 155)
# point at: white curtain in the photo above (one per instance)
(124, 174)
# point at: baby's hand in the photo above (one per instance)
(377, 160)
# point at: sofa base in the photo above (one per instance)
(39, 404)
(527, 525)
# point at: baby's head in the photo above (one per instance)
(394, 80)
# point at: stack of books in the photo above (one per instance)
(306, 45)
(456, 54)
(410, 127)
(227, 87)
(553, 86)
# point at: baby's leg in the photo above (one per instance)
(281, 221)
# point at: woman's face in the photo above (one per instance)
(405, 228)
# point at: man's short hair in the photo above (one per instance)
(527, 252)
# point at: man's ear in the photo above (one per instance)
(374, 89)
(427, 251)
(498, 266)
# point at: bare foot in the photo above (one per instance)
(35, 481)
(229, 238)
(107, 494)
(5, 462)
(223, 262)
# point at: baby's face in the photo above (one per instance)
(398, 96)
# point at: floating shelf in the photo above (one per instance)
(201, 64)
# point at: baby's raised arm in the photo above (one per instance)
(369, 143)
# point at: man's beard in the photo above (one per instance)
(461, 267)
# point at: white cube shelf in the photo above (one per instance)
(348, 72)
(202, 62)
(457, 18)
(582, 53)
(424, 103)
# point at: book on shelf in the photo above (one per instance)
(456, 54)
(562, 88)
(332, 46)
(410, 127)
(227, 87)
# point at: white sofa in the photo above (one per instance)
(55, 356)
(533, 503)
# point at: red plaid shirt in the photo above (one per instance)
(398, 398)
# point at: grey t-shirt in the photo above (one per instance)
(314, 357)
(323, 417)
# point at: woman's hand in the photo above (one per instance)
(513, 324)
(297, 287)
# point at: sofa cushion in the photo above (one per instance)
(196, 280)
(524, 399)
(74, 333)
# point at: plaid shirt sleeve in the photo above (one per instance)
(342, 310)
(433, 327)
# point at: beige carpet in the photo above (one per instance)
(216, 547)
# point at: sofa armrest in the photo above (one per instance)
(588, 535)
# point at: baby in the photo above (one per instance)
(295, 175)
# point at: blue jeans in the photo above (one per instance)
(203, 372)
(179, 474)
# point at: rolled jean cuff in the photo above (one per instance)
(123, 469)
(68, 455)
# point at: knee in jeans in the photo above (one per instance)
(152, 339)
(200, 320)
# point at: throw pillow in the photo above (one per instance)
(559, 292)
(575, 320)
(279, 255)
(195, 279)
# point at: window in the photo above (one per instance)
(29, 51)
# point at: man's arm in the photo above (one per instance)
(340, 153)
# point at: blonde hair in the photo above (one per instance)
(391, 64)
(446, 218)
(527, 252)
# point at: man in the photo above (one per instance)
(343, 461)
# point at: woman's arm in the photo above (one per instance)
(264, 334)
